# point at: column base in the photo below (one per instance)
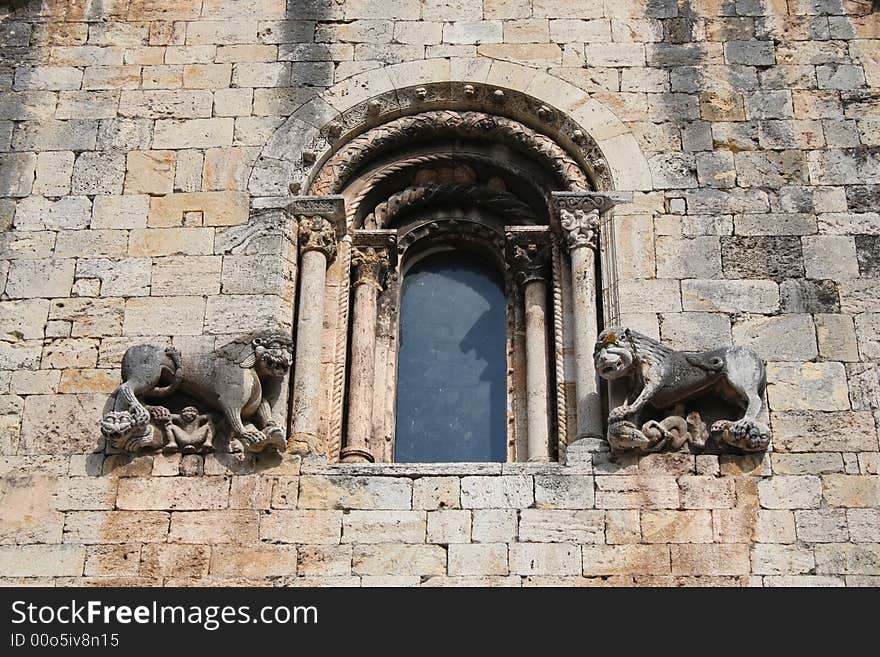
(356, 455)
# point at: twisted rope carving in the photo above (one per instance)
(440, 123)
(335, 446)
(502, 202)
(401, 165)
(561, 405)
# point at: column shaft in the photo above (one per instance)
(360, 391)
(589, 401)
(309, 330)
(536, 370)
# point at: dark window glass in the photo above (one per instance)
(451, 381)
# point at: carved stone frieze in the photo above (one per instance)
(663, 384)
(241, 381)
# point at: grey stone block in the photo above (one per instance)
(776, 258)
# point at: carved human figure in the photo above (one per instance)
(189, 432)
(238, 380)
(661, 378)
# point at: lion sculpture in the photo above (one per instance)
(661, 378)
(232, 380)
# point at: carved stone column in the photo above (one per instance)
(579, 215)
(321, 219)
(371, 259)
(529, 255)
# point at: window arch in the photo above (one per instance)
(460, 179)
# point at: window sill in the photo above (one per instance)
(320, 467)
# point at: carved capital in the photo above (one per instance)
(580, 228)
(579, 215)
(317, 234)
(369, 266)
(529, 252)
(530, 262)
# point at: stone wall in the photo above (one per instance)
(129, 130)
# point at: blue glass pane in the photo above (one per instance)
(451, 381)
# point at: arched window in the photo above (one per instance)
(457, 251)
(451, 381)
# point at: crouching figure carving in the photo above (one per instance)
(238, 380)
(660, 381)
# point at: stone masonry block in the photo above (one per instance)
(211, 527)
(384, 527)
(790, 492)
(478, 559)
(399, 560)
(309, 527)
(561, 526)
(47, 277)
(344, 492)
(173, 493)
(436, 493)
(604, 560)
(545, 559)
(217, 208)
(496, 492)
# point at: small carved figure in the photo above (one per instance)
(661, 378)
(233, 380)
(188, 432)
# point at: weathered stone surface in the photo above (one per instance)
(355, 493)
(452, 526)
(603, 560)
(774, 258)
(730, 296)
(42, 560)
(848, 559)
(807, 386)
(788, 337)
(545, 559)
(769, 559)
(165, 493)
(790, 492)
(384, 527)
(851, 490)
(478, 560)
(436, 493)
(496, 492)
(211, 527)
(61, 424)
(561, 526)
(399, 560)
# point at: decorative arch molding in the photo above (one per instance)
(437, 124)
(584, 127)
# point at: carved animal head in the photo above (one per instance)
(122, 432)
(614, 355)
(271, 354)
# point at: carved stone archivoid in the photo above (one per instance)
(668, 394)
(241, 381)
